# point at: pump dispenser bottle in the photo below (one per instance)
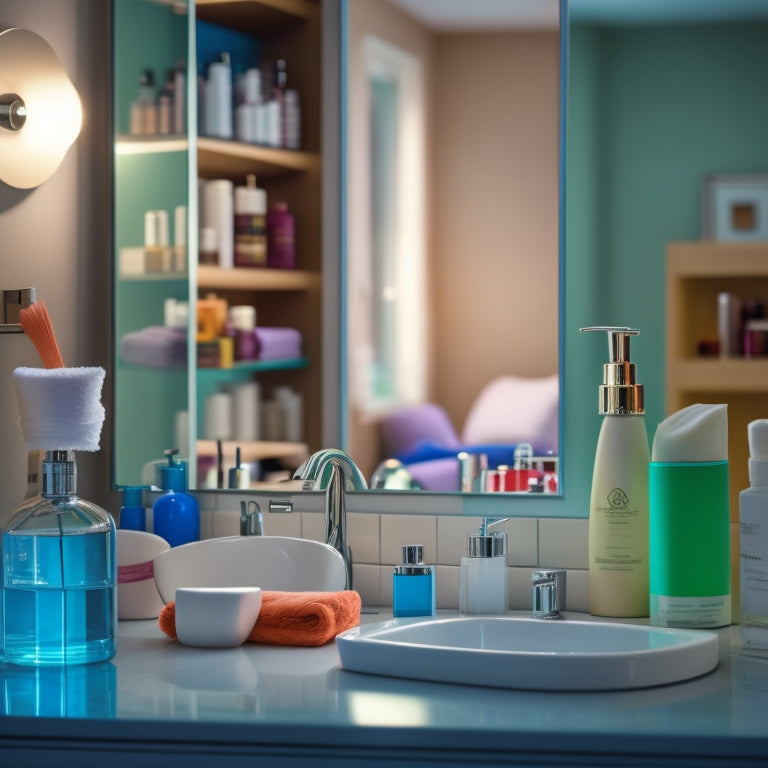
(618, 510)
(753, 528)
(175, 514)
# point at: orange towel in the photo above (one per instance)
(293, 618)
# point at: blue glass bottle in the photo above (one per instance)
(59, 600)
(176, 514)
(413, 584)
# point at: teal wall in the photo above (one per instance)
(651, 110)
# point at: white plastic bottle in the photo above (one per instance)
(618, 508)
(753, 539)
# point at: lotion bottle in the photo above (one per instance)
(175, 514)
(618, 510)
(753, 535)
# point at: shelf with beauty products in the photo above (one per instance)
(703, 362)
(256, 279)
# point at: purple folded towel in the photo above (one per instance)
(278, 343)
(156, 347)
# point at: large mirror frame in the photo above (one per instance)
(495, 505)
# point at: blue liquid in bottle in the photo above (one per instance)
(59, 575)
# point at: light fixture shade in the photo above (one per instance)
(30, 68)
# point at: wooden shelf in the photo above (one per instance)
(126, 144)
(255, 279)
(257, 17)
(711, 259)
(718, 375)
(257, 451)
(220, 157)
(255, 366)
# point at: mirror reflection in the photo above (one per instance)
(450, 341)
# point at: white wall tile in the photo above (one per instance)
(364, 537)
(447, 586)
(312, 525)
(522, 540)
(397, 530)
(366, 580)
(563, 543)
(452, 535)
(577, 591)
(520, 590)
(385, 580)
(282, 524)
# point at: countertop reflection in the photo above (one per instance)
(158, 692)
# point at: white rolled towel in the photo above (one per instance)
(60, 408)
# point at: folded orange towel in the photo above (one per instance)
(293, 618)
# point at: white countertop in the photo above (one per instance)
(160, 697)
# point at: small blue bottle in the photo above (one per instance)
(59, 577)
(413, 584)
(176, 514)
(133, 513)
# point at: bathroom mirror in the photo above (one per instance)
(524, 246)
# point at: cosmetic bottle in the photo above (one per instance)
(483, 575)
(242, 322)
(133, 513)
(58, 550)
(413, 584)
(279, 85)
(690, 519)
(618, 511)
(175, 514)
(144, 110)
(753, 538)
(218, 99)
(209, 250)
(250, 225)
(180, 239)
(280, 237)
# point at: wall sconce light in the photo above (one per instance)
(40, 111)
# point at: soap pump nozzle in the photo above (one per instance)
(620, 394)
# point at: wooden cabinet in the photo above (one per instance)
(268, 29)
(696, 274)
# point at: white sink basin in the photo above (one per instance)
(269, 562)
(516, 652)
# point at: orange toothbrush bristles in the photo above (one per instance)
(36, 323)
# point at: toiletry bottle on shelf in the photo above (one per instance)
(144, 110)
(281, 252)
(618, 511)
(483, 575)
(250, 225)
(133, 513)
(279, 85)
(753, 527)
(175, 514)
(413, 584)
(218, 99)
(60, 574)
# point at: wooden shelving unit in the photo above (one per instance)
(696, 274)
(289, 29)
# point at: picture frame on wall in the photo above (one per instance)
(735, 207)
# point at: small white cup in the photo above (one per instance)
(216, 617)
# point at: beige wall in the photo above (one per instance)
(56, 237)
(495, 215)
(492, 196)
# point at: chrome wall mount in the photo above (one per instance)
(14, 300)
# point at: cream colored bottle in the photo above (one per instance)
(618, 508)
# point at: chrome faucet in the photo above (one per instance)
(333, 471)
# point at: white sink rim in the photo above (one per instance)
(397, 648)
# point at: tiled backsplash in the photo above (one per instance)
(376, 541)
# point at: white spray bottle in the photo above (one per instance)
(618, 508)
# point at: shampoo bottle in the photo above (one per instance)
(753, 535)
(618, 511)
(176, 514)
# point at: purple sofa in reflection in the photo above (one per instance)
(508, 411)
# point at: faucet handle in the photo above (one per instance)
(250, 519)
(548, 593)
(280, 505)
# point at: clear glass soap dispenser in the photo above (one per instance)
(59, 574)
(483, 575)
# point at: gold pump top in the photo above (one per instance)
(619, 394)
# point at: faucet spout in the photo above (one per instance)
(334, 471)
